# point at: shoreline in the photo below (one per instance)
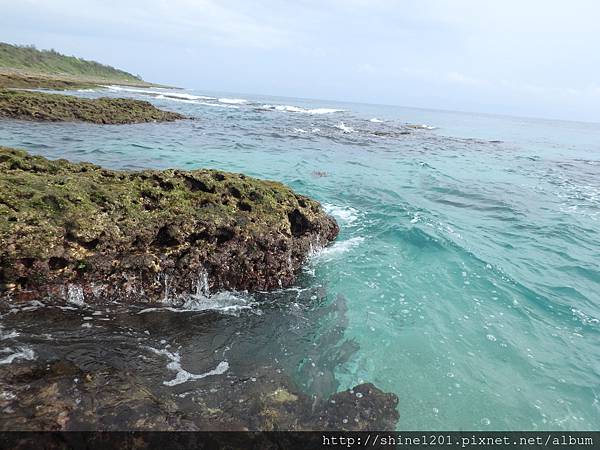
(25, 79)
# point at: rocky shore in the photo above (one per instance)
(58, 395)
(12, 79)
(81, 233)
(119, 289)
(41, 106)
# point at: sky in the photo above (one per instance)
(538, 58)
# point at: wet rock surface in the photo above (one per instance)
(38, 106)
(58, 395)
(127, 368)
(81, 233)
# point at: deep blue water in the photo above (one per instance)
(468, 263)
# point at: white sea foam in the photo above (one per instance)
(162, 94)
(346, 214)
(337, 249)
(218, 105)
(375, 120)
(299, 130)
(226, 302)
(7, 334)
(233, 101)
(345, 128)
(185, 96)
(20, 353)
(195, 102)
(75, 295)
(297, 109)
(585, 318)
(323, 110)
(183, 375)
(181, 100)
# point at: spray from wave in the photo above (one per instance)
(297, 109)
(225, 302)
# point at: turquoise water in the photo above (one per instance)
(469, 249)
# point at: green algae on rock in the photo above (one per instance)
(18, 80)
(42, 106)
(78, 232)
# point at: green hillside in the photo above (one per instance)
(30, 59)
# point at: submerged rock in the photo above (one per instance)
(58, 395)
(117, 367)
(78, 232)
(67, 108)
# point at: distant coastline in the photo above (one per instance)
(26, 67)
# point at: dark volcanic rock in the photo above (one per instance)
(67, 108)
(83, 233)
(58, 395)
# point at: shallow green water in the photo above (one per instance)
(468, 258)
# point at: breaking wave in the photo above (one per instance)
(297, 109)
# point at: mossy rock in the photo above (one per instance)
(77, 231)
(41, 106)
(12, 80)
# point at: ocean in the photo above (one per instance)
(465, 279)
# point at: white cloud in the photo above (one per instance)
(514, 53)
(191, 21)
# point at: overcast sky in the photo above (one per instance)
(520, 57)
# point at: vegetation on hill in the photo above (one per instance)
(29, 58)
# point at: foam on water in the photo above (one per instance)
(20, 353)
(216, 105)
(233, 101)
(224, 302)
(8, 334)
(297, 109)
(75, 295)
(345, 128)
(348, 215)
(184, 96)
(183, 375)
(337, 249)
(162, 94)
(173, 99)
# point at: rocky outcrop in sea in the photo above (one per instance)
(41, 106)
(81, 233)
